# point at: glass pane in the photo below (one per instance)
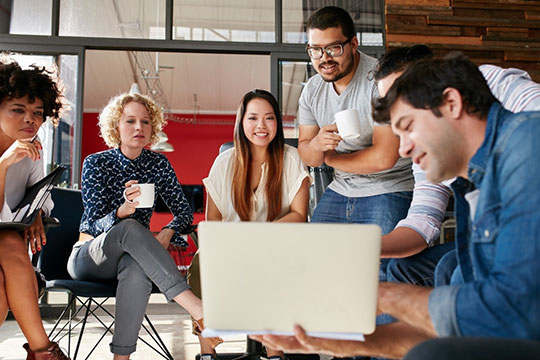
(64, 143)
(182, 83)
(118, 18)
(224, 20)
(294, 75)
(30, 17)
(366, 15)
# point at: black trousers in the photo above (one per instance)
(475, 348)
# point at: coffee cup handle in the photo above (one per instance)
(125, 197)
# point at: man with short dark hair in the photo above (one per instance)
(372, 184)
(451, 125)
(413, 262)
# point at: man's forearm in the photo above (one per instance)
(389, 341)
(309, 154)
(402, 242)
(363, 161)
(408, 303)
(393, 340)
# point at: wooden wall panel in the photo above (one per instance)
(500, 32)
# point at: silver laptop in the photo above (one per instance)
(261, 277)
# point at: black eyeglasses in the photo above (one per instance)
(334, 50)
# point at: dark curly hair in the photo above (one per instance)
(36, 82)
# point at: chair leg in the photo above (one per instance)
(89, 303)
(157, 339)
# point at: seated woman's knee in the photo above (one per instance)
(130, 270)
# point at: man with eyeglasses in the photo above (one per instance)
(372, 183)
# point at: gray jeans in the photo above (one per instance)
(130, 253)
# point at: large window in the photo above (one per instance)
(30, 17)
(138, 19)
(182, 83)
(224, 20)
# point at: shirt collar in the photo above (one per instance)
(126, 161)
(478, 162)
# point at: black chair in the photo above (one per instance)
(90, 295)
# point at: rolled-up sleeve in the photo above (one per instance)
(442, 310)
(428, 206)
(294, 172)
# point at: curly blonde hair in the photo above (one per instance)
(111, 114)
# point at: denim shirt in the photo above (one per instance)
(104, 176)
(499, 248)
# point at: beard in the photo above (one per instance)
(349, 66)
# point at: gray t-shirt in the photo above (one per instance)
(318, 104)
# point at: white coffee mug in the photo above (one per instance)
(146, 199)
(348, 124)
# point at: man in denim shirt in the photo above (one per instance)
(451, 125)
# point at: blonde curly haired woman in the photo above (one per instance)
(115, 240)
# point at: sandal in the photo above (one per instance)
(198, 327)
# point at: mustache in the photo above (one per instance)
(328, 63)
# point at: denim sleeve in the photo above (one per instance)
(442, 310)
(503, 300)
(97, 218)
(171, 191)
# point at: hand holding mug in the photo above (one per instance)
(327, 138)
(130, 205)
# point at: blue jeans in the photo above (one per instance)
(447, 266)
(385, 210)
(418, 269)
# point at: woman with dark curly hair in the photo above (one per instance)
(27, 98)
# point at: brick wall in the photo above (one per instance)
(500, 32)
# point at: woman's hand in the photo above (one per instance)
(35, 234)
(19, 150)
(128, 208)
(164, 237)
